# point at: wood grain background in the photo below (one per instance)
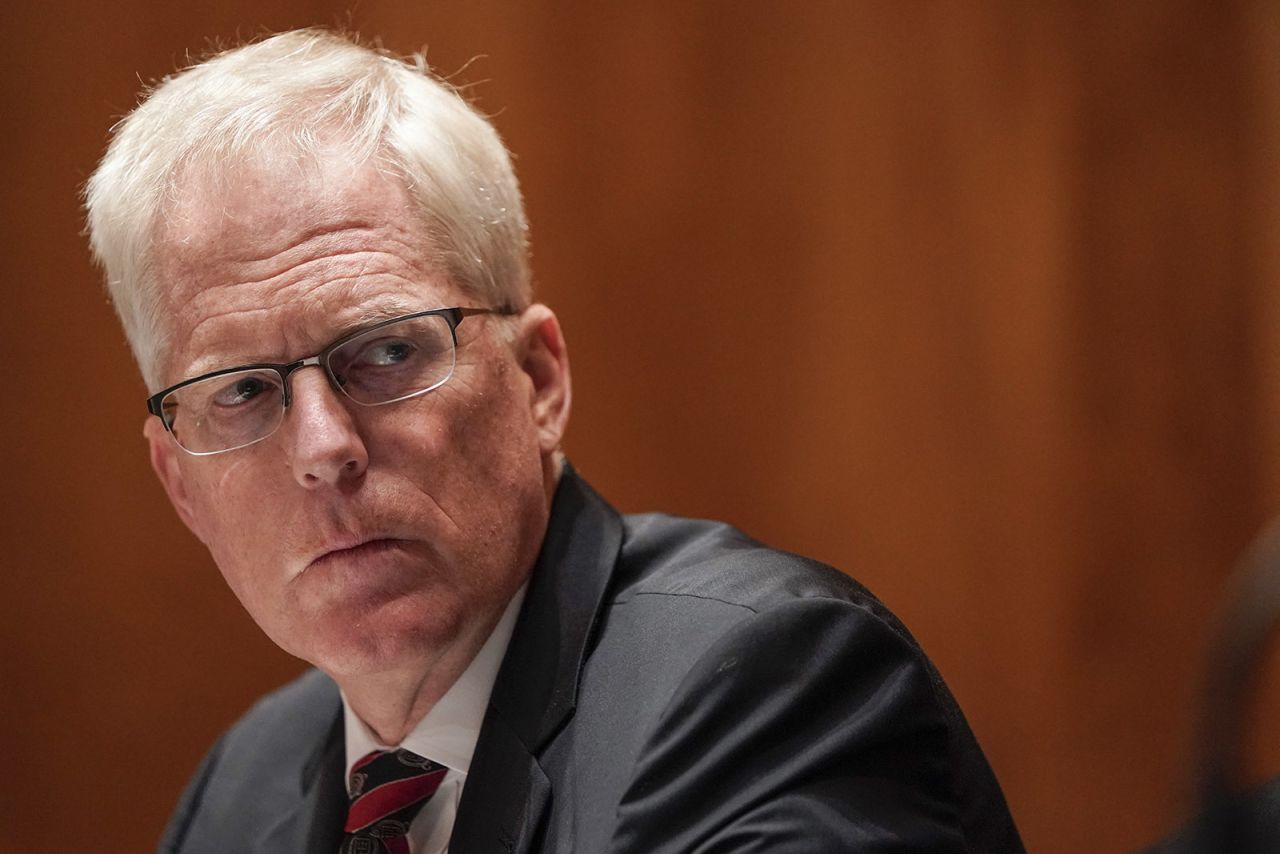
(976, 301)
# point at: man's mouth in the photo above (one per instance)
(360, 549)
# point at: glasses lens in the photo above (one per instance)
(395, 361)
(225, 412)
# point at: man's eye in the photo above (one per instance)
(385, 353)
(241, 391)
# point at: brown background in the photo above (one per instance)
(975, 301)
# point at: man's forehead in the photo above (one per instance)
(268, 202)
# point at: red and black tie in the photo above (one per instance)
(388, 787)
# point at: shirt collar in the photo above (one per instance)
(447, 734)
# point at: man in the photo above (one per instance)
(318, 253)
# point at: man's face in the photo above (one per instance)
(362, 539)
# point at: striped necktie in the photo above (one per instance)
(388, 788)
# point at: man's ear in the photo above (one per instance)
(545, 360)
(164, 460)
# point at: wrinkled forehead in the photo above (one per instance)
(263, 206)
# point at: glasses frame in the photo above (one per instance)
(452, 316)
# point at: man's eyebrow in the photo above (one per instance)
(347, 323)
(208, 364)
(381, 311)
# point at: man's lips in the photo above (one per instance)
(358, 549)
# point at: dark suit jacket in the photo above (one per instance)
(670, 686)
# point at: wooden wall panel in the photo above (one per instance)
(974, 301)
(122, 647)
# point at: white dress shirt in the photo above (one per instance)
(447, 734)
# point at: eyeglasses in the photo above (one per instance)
(383, 362)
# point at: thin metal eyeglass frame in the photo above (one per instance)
(452, 316)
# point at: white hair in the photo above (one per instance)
(292, 91)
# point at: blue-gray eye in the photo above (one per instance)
(390, 352)
(241, 391)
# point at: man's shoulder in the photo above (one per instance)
(665, 555)
(254, 774)
(688, 594)
(709, 638)
(290, 718)
(281, 733)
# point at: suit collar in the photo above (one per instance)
(537, 686)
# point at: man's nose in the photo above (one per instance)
(327, 448)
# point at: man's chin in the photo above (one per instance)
(392, 638)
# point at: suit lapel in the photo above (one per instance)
(507, 794)
(314, 823)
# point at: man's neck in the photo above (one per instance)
(391, 703)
